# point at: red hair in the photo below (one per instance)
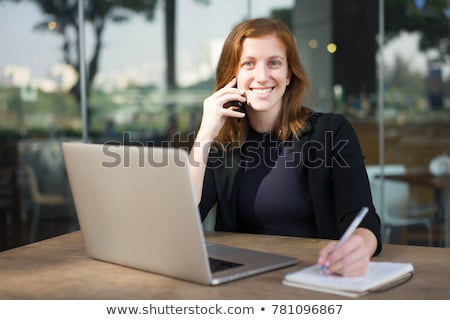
(293, 116)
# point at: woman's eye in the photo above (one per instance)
(275, 63)
(247, 64)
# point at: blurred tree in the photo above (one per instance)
(357, 45)
(431, 18)
(402, 78)
(62, 16)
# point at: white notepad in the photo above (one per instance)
(380, 276)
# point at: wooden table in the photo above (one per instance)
(441, 187)
(58, 268)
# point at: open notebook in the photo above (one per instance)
(380, 276)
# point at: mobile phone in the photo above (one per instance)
(239, 104)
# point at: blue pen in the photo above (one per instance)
(351, 228)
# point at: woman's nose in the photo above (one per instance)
(262, 73)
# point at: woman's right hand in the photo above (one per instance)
(214, 114)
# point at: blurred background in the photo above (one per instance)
(384, 64)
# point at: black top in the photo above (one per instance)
(272, 199)
(328, 154)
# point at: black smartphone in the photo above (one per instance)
(238, 104)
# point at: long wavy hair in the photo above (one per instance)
(293, 114)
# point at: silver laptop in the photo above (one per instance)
(136, 208)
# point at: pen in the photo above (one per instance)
(351, 228)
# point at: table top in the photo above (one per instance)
(58, 268)
(421, 178)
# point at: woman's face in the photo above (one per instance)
(263, 73)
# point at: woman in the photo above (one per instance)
(280, 168)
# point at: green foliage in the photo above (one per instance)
(431, 22)
(49, 112)
(65, 14)
(401, 78)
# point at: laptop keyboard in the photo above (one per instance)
(220, 265)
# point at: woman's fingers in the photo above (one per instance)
(351, 259)
(214, 113)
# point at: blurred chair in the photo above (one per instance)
(10, 219)
(8, 206)
(40, 200)
(399, 209)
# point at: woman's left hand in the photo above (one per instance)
(352, 258)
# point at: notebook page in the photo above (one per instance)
(378, 274)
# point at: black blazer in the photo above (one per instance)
(330, 152)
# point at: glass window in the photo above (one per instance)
(140, 92)
(339, 45)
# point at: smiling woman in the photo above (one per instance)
(263, 77)
(276, 171)
(262, 55)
